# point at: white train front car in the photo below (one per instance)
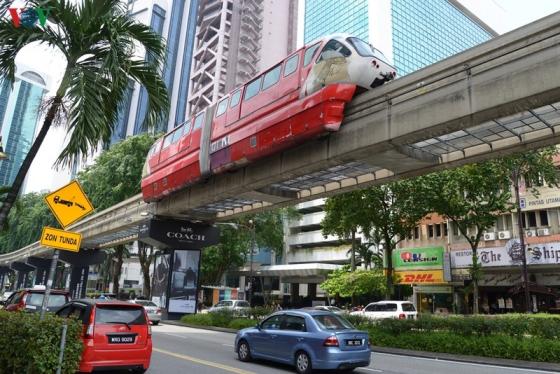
(347, 59)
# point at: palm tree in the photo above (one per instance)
(99, 42)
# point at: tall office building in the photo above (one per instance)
(412, 34)
(234, 41)
(19, 114)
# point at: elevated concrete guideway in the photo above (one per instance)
(500, 97)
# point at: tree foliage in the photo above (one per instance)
(385, 215)
(26, 222)
(346, 283)
(472, 197)
(116, 174)
(100, 42)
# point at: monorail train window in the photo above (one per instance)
(309, 54)
(271, 77)
(155, 148)
(187, 129)
(252, 88)
(177, 134)
(291, 65)
(361, 47)
(334, 49)
(222, 106)
(235, 98)
(198, 121)
(167, 141)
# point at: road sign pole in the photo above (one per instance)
(54, 262)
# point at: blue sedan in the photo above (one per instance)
(308, 339)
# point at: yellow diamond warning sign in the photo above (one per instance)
(69, 204)
(59, 239)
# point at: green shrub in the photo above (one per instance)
(242, 323)
(33, 346)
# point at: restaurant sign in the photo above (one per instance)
(418, 258)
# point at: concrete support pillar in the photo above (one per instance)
(42, 266)
(79, 263)
(78, 281)
(312, 290)
(294, 295)
(22, 270)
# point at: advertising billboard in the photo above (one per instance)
(159, 280)
(184, 281)
(418, 258)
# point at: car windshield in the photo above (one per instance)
(36, 299)
(407, 307)
(119, 314)
(332, 322)
(334, 309)
(243, 304)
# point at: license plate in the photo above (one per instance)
(121, 339)
(354, 342)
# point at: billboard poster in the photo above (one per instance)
(159, 280)
(418, 258)
(184, 281)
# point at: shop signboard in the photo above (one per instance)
(184, 281)
(547, 198)
(418, 258)
(433, 289)
(537, 254)
(420, 277)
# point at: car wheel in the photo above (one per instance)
(155, 323)
(140, 371)
(303, 363)
(243, 351)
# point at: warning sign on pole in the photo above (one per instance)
(69, 204)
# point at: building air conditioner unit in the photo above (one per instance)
(504, 235)
(489, 236)
(543, 232)
(530, 233)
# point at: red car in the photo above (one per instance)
(31, 300)
(116, 335)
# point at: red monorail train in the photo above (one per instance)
(300, 98)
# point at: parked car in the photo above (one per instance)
(307, 339)
(31, 300)
(389, 309)
(154, 312)
(237, 306)
(5, 295)
(116, 334)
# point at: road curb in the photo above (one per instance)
(530, 365)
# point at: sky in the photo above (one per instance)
(506, 15)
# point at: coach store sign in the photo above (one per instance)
(177, 234)
(510, 255)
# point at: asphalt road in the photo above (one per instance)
(185, 350)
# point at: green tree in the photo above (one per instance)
(343, 216)
(391, 212)
(26, 222)
(346, 283)
(98, 40)
(113, 177)
(471, 197)
(536, 168)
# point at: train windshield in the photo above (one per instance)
(362, 47)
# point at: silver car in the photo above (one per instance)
(241, 307)
(154, 312)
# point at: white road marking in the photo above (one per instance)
(466, 363)
(228, 345)
(374, 370)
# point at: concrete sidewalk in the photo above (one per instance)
(530, 365)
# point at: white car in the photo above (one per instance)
(154, 312)
(389, 309)
(238, 306)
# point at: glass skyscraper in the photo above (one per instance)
(20, 112)
(412, 33)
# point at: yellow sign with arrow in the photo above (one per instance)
(69, 204)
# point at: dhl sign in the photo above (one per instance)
(420, 277)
